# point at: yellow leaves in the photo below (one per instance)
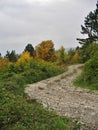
(76, 57)
(4, 62)
(24, 58)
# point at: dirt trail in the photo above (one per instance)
(59, 94)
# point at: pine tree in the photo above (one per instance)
(30, 49)
(0, 55)
(90, 28)
(11, 56)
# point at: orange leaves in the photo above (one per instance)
(45, 51)
(4, 62)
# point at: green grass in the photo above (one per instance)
(17, 111)
(79, 82)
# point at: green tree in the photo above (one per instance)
(12, 56)
(30, 49)
(62, 54)
(71, 53)
(76, 58)
(90, 28)
(0, 55)
(88, 52)
(90, 72)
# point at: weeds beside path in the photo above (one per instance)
(60, 95)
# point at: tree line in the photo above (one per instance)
(46, 50)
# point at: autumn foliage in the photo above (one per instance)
(24, 58)
(4, 62)
(45, 51)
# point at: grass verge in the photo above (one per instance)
(79, 82)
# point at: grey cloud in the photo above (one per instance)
(59, 20)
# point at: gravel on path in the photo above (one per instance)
(59, 94)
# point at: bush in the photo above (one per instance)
(89, 76)
(88, 51)
(90, 73)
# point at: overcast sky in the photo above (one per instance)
(32, 21)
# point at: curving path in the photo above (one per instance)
(59, 94)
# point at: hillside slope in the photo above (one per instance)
(59, 94)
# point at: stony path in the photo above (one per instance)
(60, 95)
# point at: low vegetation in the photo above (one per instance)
(17, 111)
(89, 76)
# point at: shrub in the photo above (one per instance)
(90, 73)
(89, 76)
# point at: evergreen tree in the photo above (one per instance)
(12, 56)
(30, 49)
(90, 28)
